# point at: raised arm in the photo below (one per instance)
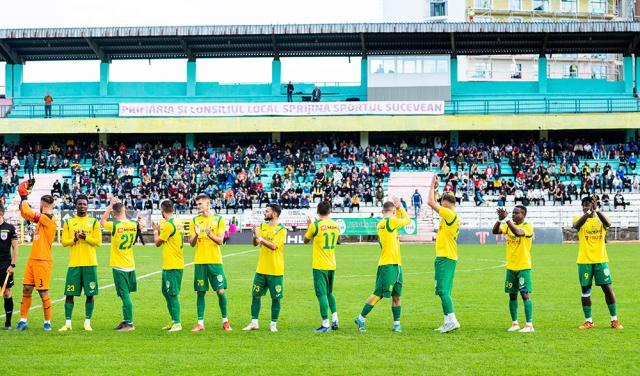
(68, 239)
(193, 232)
(95, 240)
(502, 214)
(218, 239)
(431, 196)
(515, 230)
(401, 219)
(311, 231)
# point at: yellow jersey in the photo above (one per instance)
(591, 241)
(518, 247)
(325, 233)
(123, 236)
(83, 252)
(388, 238)
(172, 234)
(271, 262)
(446, 240)
(207, 251)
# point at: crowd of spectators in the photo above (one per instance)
(349, 176)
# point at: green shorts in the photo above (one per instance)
(323, 281)
(209, 274)
(264, 282)
(388, 281)
(124, 282)
(517, 281)
(171, 281)
(600, 272)
(445, 269)
(79, 278)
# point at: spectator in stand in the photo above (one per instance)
(416, 199)
(618, 200)
(290, 89)
(48, 102)
(316, 94)
(29, 165)
(633, 161)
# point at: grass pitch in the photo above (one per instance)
(481, 346)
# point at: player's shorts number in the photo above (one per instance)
(71, 288)
(200, 282)
(256, 288)
(509, 285)
(586, 276)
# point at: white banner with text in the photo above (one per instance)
(280, 109)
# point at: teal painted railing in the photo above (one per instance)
(455, 107)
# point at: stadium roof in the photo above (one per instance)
(166, 42)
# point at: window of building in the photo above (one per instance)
(438, 8)
(598, 6)
(516, 70)
(541, 5)
(482, 70)
(515, 4)
(483, 4)
(599, 72)
(483, 19)
(515, 19)
(429, 66)
(568, 6)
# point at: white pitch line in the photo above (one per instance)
(139, 278)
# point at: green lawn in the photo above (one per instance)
(481, 346)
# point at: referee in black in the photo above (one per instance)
(8, 256)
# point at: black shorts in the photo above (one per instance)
(3, 275)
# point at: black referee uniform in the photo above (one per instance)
(7, 235)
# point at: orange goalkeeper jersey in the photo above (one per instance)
(44, 234)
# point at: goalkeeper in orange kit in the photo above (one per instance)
(37, 274)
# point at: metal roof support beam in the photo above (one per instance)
(187, 50)
(633, 46)
(545, 43)
(453, 46)
(274, 45)
(97, 50)
(10, 56)
(363, 46)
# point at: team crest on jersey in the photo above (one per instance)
(120, 230)
(521, 281)
(168, 284)
(278, 289)
(219, 277)
(92, 285)
(606, 272)
(323, 228)
(4, 235)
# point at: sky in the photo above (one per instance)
(91, 13)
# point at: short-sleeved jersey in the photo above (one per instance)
(123, 237)
(44, 234)
(7, 236)
(388, 238)
(83, 252)
(518, 247)
(207, 251)
(325, 233)
(271, 262)
(591, 241)
(172, 234)
(446, 240)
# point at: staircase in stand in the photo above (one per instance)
(403, 185)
